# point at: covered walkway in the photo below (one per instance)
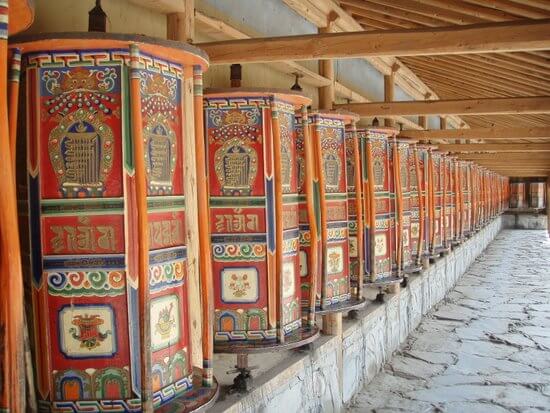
(486, 348)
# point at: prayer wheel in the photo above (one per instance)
(404, 212)
(336, 212)
(436, 165)
(377, 157)
(536, 194)
(465, 168)
(424, 211)
(254, 175)
(104, 127)
(448, 201)
(517, 194)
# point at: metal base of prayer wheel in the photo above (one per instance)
(352, 304)
(297, 338)
(199, 399)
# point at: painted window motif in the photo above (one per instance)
(380, 246)
(165, 321)
(87, 331)
(289, 282)
(240, 285)
(335, 260)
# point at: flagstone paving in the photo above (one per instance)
(486, 348)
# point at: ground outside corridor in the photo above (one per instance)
(486, 348)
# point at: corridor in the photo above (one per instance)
(486, 348)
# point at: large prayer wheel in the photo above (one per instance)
(404, 157)
(340, 249)
(106, 206)
(436, 165)
(377, 146)
(424, 209)
(254, 177)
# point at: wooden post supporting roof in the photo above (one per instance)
(484, 106)
(479, 133)
(179, 29)
(332, 323)
(389, 82)
(520, 35)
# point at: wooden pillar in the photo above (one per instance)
(181, 26)
(389, 88)
(332, 323)
(423, 122)
(178, 29)
(548, 203)
(12, 376)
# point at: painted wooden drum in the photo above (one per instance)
(402, 160)
(536, 194)
(425, 213)
(111, 305)
(376, 147)
(339, 251)
(448, 200)
(254, 179)
(437, 177)
(466, 197)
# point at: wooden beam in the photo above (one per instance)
(506, 156)
(479, 133)
(486, 106)
(496, 147)
(480, 38)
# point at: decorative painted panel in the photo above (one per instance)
(82, 220)
(254, 209)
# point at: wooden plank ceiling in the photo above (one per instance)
(488, 75)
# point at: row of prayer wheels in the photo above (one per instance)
(527, 195)
(299, 211)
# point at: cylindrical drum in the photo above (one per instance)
(253, 183)
(417, 213)
(437, 177)
(335, 173)
(448, 200)
(379, 200)
(466, 197)
(425, 212)
(517, 195)
(536, 194)
(105, 157)
(404, 215)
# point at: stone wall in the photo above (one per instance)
(524, 220)
(304, 381)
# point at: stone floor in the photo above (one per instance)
(486, 348)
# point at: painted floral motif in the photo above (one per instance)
(239, 284)
(88, 332)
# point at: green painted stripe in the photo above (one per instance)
(335, 197)
(243, 201)
(127, 131)
(292, 198)
(173, 203)
(92, 206)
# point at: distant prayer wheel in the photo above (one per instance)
(106, 217)
(436, 167)
(536, 194)
(377, 146)
(403, 155)
(448, 200)
(517, 194)
(254, 178)
(465, 167)
(336, 213)
(421, 161)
